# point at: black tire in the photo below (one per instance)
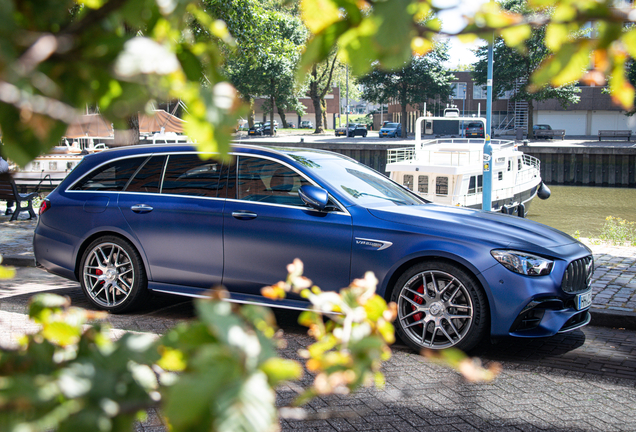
(434, 317)
(112, 275)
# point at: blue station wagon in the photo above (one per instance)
(134, 221)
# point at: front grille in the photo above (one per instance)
(578, 275)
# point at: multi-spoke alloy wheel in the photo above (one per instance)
(439, 306)
(111, 274)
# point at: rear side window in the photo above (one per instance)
(148, 178)
(188, 174)
(110, 177)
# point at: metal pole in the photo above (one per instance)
(347, 107)
(487, 189)
(463, 111)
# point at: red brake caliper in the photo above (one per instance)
(419, 300)
(99, 273)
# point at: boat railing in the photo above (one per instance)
(401, 154)
(530, 169)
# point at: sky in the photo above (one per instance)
(452, 22)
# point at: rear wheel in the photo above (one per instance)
(439, 306)
(112, 275)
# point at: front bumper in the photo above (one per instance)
(523, 306)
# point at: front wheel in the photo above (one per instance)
(112, 275)
(439, 306)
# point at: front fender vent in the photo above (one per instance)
(578, 275)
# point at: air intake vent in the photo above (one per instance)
(578, 275)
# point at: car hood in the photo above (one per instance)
(491, 227)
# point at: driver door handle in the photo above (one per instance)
(141, 208)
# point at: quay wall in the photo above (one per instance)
(586, 165)
(560, 165)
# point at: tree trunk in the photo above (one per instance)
(133, 126)
(403, 109)
(272, 100)
(323, 106)
(283, 119)
(250, 112)
(530, 120)
(315, 99)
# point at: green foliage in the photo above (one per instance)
(74, 379)
(351, 346)
(516, 64)
(118, 54)
(619, 232)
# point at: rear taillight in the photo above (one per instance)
(46, 204)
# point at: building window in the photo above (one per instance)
(441, 185)
(408, 181)
(479, 92)
(422, 184)
(458, 90)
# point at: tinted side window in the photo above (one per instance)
(148, 178)
(268, 181)
(189, 175)
(110, 177)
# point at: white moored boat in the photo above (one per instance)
(450, 171)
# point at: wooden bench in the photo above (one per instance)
(549, 133)
(614, 134)
(9, 192)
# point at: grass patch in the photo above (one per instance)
(618, 231)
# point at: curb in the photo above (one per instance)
(18, 261)
(611, 318)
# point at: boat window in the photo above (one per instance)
(188, 174)
(148, 178)
(112, 176)
(518, 164)
(509, 164)
(441, 185)
(500, 175)
(472, 185)
(408, 181)
(480, 183)
(422, 184)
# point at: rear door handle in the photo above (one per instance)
(244, 215)
(141, 208)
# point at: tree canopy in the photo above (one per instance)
(419, 80)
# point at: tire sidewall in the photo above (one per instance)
(479, 324)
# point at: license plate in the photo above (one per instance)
(583, 300)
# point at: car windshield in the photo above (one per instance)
(365, 186)
(391, 125)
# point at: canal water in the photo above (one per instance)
(572, 208)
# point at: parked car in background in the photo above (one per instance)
(355, 129)
(391, 130)
(475, 130)
(306, 124)
(291, 125)
(257, 129)
(541, 127)
(144, 219)
(267, 128)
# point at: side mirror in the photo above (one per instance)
(314, 197)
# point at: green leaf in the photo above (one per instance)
(61, 333)
(565, 66)
(278, 370)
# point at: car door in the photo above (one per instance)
(267, 226)
(179, 222)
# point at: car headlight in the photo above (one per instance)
(523, 263)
